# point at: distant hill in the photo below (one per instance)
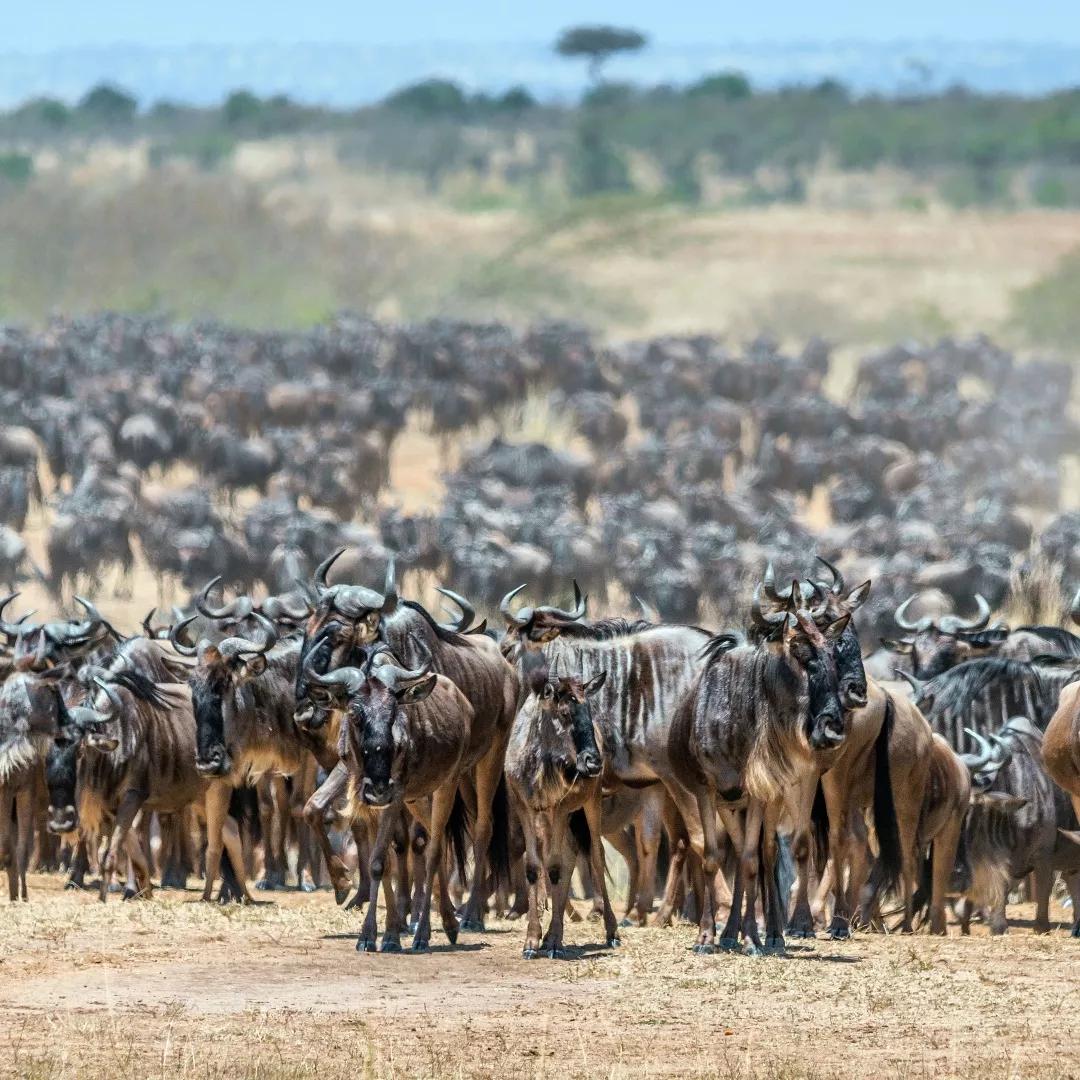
(344, 75)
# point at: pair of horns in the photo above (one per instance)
(525, 615)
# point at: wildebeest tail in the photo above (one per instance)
(580, 831)
(819, 828)
(457, 833)
(499, 851)
(888, 834)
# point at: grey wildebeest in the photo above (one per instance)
(752, 711)
(649, 669)
(1020, 823)
(554, 763)
(406, 742)
(471, 661)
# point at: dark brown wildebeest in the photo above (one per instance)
(554, 762)
(753, 711)
(1061, 742)
(242, 694)
(472, 661)
(406, 741)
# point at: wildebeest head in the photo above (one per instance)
(935, 645)
(564, 700)
(812, 651)
(356, 605)
(79, 726)
(538, 624)
(374, 739)
(222, 669)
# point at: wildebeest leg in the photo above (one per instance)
(775, 915)
(128, 810)
(1072, 882)
(79, 864)
(331, 789)
(366, 942)
(751, 861)
(534, 866)
(680, 846)
(907, 820)
(622, 842)
(417, 847)
(943, 860)
(272, 877)
(24, 816)
(442, 803)
(836, 804)
(729, 939)
(593, 814)
(7, 853)
(1044, 883)
(801, 924)
(363, 834)
(141, 886)
(647, 829)
(487, 774)
(559, 864)
(396, 886)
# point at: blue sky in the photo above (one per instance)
(50, 25)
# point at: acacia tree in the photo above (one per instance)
(598, 44)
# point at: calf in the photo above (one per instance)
(554, 762)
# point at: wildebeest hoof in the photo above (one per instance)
(801, 934)
(627, 922)
(728, 944)
(306, 886)
(530, 954)
(452, 934)
(265, 886)
(72, 884)
(614, 942)
(839, 932)
(774, 947)
(556, 954)
(365, 945)
(420, 947)
(753, 950)
(472, 926)
(391, 946)
(704, 949)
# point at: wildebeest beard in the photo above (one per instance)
(850, 669)
(207, 694)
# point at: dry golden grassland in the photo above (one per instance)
(173, 988)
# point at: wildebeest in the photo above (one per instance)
(1018, 825)
(473, 663)
(554, 762)
(405, 741)
(752, 710)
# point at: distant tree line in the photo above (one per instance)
(436, 128)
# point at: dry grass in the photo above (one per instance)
(175, 989)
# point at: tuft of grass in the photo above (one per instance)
(1047, 312)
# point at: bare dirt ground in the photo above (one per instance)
(169, 987)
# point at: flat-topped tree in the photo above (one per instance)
(598, 44)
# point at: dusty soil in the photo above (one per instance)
(170, 987)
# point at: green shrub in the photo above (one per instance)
(16, 168)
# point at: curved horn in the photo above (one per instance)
(350, 679)
(390, 593)
(818, 591)
(838, 584)
(581, 605)
(202, 602)
(980, 760)
(148, 623)
(1074, 609)
(519, 620)
(177, 628)
(319, 577)
(769, 622)
(900, 616)
(648, 612)
(954, 623)
(768, 583)
(916, 684)
(12, 629)
(468, 612)
(115, 703)
(238, 646)
(1002, 750)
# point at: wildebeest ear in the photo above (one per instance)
(417, 691)
(857, 597)
(835, 630)
(902, 646)
(595, 683)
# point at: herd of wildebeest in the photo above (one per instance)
(855, 742)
